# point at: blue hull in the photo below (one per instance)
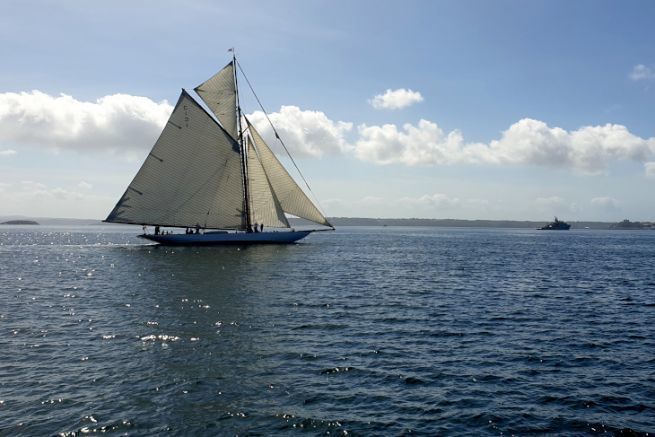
(223, 238)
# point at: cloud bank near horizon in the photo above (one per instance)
(589, 149)
(123, 124)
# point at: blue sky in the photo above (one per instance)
(525, 109)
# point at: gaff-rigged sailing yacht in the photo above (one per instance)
(218, 180)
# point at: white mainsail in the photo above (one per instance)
(220, 95)
(290, 196)
(191, 177)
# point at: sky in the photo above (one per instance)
(434, 109)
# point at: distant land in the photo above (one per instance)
(366, 221)
(456, 223)
(19, 222)
(628, 225)
(50, 221)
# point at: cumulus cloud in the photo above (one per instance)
(396, 99)
(425, 143)
(527, 141)
(127, 124)
(117, 122)
(608, 203)
(305, 133)
(588, 148)
(642, 72)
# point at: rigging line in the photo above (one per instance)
(278, 136)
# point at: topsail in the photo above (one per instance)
(220, 94)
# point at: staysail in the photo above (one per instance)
(264, 207)
(290, 196)
(220, 95)
(192, 176)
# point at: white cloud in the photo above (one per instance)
(549, 202)
(37, 190)
(526, 142)
(396, 99)
(373, 201)
(607, 203)
(84, 185)
(589, 148)
(649, 167)
(642, 72)
(305, 133)
(413, 145)
(116, 123)
(37, 199)
(555, 205)
(126, 124)
(436, 200)
(427, 205)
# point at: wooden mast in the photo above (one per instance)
(242, 148)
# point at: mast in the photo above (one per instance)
(242, 148)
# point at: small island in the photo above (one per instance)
(19, 222)
(628, 225)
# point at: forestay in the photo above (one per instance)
(191, 177)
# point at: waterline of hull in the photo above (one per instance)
(223, 238)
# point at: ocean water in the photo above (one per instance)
(364, 331)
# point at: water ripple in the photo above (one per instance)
(363, 331)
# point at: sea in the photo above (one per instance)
(363, 331)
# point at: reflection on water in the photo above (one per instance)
(372, 331)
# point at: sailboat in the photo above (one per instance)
(215, 178)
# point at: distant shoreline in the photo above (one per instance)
(20, 222)
(456, 223)
(367, 221)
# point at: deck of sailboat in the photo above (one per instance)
(227, 238)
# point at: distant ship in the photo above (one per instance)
(216, 178)
(556, 225)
